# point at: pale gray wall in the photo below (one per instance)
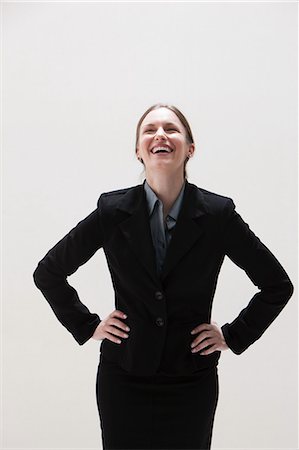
(76, 79)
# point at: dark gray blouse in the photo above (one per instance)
(162, 230)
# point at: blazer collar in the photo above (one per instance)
(152, 198)
(136, 227)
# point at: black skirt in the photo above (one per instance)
(158, 411)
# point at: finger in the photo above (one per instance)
(200, 348)
(207, 343)
(199, 344)
(119, 313)
(116, 331)
(202, 327)
(210, 350)
(112, 338)
(119, 324)
(203, 336)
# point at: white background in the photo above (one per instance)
(76, 77)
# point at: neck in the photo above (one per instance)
(166, 188)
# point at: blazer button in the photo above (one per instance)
(159, 321)
(159, 295)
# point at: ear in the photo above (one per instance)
(191, 150)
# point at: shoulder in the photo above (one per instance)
(118, 192)
(112, 199)
(214, 202)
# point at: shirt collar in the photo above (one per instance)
(152, 199)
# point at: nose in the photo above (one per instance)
(160, 132)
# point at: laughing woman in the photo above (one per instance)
(164, 241)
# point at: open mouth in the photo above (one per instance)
(161, 150)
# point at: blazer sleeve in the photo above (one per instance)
(50, 275)
(246, 250)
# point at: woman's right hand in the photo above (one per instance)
(109, 327)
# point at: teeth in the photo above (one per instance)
(156, 149)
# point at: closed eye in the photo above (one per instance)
(169, 129)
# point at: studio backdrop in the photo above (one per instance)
(76, 77)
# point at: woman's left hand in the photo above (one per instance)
(209, 334)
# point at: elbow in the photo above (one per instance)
(46, 276)
(280, 293)
(42, 277)
(287, 290)
(37, 277)
(290, 289)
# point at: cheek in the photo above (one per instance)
(144, 145)
(145, 139)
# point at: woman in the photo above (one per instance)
(164, 241)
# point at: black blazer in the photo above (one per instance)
(163, 310)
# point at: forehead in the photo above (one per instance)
(161, 116)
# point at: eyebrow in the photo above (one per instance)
(152, 124)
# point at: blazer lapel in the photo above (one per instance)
(136, 228)
(188, 228)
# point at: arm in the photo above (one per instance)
(50, 276)
(246, 250)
